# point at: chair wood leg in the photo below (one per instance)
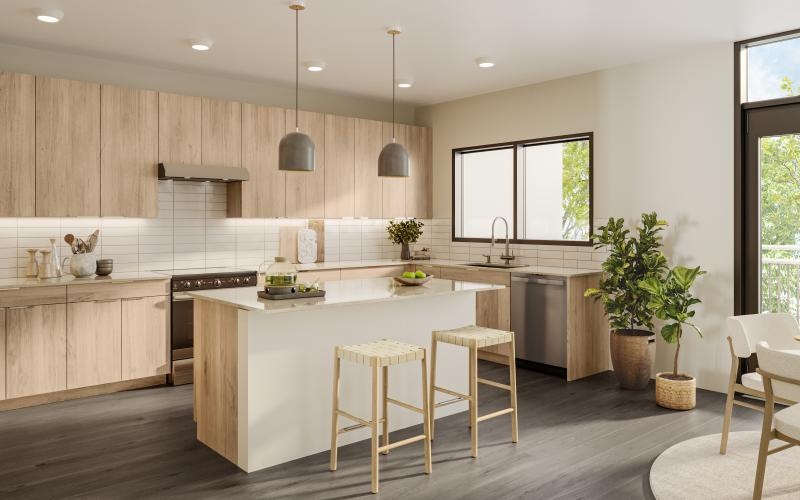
(761, 464)
(432, 398)
(334, 411)
(426, 418)
(374, 425)
(512, 372)
(385, 408)
(473, 399)
(726, 421)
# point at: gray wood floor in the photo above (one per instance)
(585, 439)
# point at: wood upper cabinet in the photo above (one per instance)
(340, 134)
(368, 186)
(264, 195)
(419, 190)
(145, 337)
(67, 148)
(179, 128)
(394, 188)
(305, 191)
(128, 152)
(2, 354)
(93, 343)
(17, 144)
(222, 133)
(36, 350)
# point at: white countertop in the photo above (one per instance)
(339, 293)
(68, 279)
(551, 271)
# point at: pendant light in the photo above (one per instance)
(393, 160)
(296, 150)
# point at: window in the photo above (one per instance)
(542, 187)
(773, 68)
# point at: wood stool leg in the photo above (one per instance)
(374, 425)
(426, 418)
(473, 398)
(432, 398)
(512, 372)
(334, 411)
(385, 408)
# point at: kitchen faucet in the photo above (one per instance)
(508, 255)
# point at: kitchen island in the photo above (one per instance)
(263, 369)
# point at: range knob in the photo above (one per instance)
(247, 280)
(237, 281)
(198, 284)
(187, 284)
(217, 283)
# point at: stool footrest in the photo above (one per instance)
(354, 418)
(449, 402)
(494, 384)
(495, 414)
(403, 442)
(355, 427)
(405, 405)
(452, 393)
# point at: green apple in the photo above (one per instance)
(420, 275)
(408, 274)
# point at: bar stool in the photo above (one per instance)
(379, 354)
(474, 338)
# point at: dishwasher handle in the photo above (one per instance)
(538, 281)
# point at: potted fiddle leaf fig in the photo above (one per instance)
(672, 301)
(403, 233)
(632, 260)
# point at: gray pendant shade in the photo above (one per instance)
(393, 161)
(296, 153)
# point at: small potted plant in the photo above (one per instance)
(404, 232)
(672, 301)
(629, 308)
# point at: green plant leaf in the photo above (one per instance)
(670, 332)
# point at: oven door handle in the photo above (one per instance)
(181, 297)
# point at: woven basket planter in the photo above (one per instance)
(675, 394)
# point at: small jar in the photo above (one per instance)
(278, 273)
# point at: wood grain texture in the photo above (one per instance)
(368, 186)
(145, 339)
(264, 195)
(17, 144)
(106, 291)
(67, 148)
(287, 242)
(587, 330)
(221, 141)
(94, 332)
(394, 188)
(216, 377)
(339, 166)
(419, 185)
(36, 350)
(428, 269)
(318, 225)
(2, 354)
(128, 152)
(180, 120)
(305, 191)
(34, 295)
(361, 273)
(323, 275)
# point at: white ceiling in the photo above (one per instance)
(531, 40)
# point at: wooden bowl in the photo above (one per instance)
(413, 281)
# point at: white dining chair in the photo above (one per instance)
(780, 372)
(744, 333)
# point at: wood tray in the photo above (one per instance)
(285, 296)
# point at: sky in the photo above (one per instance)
(768, 64)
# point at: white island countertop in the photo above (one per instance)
(339, 293)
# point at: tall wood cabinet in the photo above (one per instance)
(17, 144)
(368, 186)
(129, 152)
(179, 128)
(340, 140)
(394, 188)
(419, 183)
(221, 141)
(305, 191)
(94, 346)
(67, 148)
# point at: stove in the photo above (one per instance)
(182, 317)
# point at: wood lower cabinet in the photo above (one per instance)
(93, 343)
(17, 144)
(36, 350)
(2, 354)
(145, 337)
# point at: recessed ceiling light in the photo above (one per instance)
(485, 62)
(315, 65)
(404, 83)
(49, 15)
(201, 45)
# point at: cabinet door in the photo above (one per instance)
(222, 133)
(305, 191)
(368, 186)
(17, 144)
(94, 335)
(179, 128)
(340, 166)
(145, 337)
(36, 350)
(419, 183)
(67, 148)
(2, 354)
(264, 194)
(394, 188)
(129, 152)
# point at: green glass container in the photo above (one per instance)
(278, 273)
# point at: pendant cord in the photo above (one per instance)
(393, 89)
(296, 69)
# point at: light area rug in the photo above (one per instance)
(694, 469)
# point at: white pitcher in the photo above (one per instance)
(81, 264)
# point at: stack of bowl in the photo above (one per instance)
(104, 267)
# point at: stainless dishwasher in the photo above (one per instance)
(539, 318)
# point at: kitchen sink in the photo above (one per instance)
(495, 265)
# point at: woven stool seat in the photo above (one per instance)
(384, 352)
(473, 336)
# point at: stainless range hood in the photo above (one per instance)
(202, 173)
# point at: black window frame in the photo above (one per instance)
(517, 146)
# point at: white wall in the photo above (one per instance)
(663, 141)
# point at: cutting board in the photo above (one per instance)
(287, 240)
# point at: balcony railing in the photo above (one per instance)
(780, 279)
